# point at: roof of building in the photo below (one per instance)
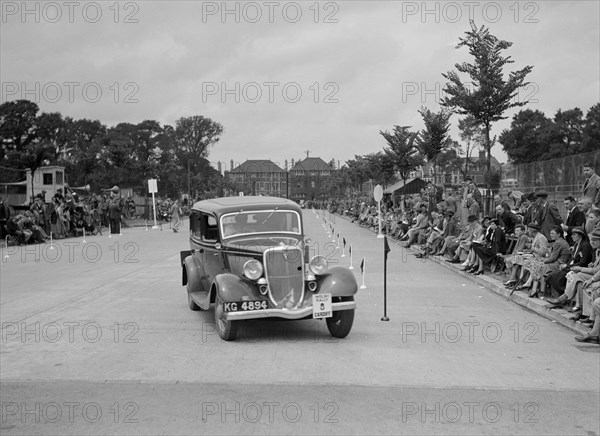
(258, 166)
(312, 164)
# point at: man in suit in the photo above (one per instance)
(591, 186)
(545, 215)
(575, 218)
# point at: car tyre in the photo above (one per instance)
(340, 323)
(227, 329)
(192, 304)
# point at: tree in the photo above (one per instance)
(28, 140)
(525, 140)
(434, 138)
(591, 130)
(471, 134)
(402, 151)
(491, 95)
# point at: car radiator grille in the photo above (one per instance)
(284, 269)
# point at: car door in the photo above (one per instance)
(212, 257)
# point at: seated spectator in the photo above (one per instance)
(594, 335)
(578, 276)
(478, 239)
(575, 217)
(538, 251)
(451, 231)
(583, 255)
(493, 244)
(419, 229)
(541, 268)
(523, 243)
(14, 229)
(508, 220)
(472, 230)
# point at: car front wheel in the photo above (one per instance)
(227, 329)
(340, 323)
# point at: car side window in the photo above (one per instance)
(195, 227)
(210, 229)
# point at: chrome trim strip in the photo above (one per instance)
(287, 314)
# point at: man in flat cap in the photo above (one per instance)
(545, 215)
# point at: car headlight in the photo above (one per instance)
(253, 269)
(318, 265)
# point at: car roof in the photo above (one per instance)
(223, 205)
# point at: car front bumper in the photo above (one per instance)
(285, 313)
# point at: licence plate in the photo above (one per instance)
(244, 306)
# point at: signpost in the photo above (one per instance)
(378, 195)
(153, 188)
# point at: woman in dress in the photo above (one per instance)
(542, 268)
(538, 250)
(513, 261)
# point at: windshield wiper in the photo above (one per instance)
(267, 218)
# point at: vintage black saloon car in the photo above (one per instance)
(249, 257)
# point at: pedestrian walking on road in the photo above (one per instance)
(175, 216)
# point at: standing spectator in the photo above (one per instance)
(114, 214)
(473, 207)
(450, 202)
(175, 216)
(546, 215)
(526, 208)
(591, 186)
(471, 188)
(4, 217)
(575, 218)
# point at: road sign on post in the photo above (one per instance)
(153, 188)
(378, 195)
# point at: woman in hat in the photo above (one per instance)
(582, 256)
(493, 244)
(542, 268)
(539, 249)
(515, 259)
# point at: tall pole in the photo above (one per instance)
(189, 189)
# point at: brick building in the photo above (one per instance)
(258, 177)
(310, 179)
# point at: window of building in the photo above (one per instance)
(59, 177)
(47, 178)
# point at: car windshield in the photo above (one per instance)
(262, 222)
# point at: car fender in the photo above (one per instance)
(232, 287)
(339, 282)
(191, 274)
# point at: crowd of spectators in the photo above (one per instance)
(543, 253)
(63, 216)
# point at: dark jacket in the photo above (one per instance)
(546, 216)
(583, 256)
(576, 218)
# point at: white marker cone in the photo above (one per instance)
(363, 286)
(51, 242)
(84, 236)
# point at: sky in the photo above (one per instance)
(284, 78)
